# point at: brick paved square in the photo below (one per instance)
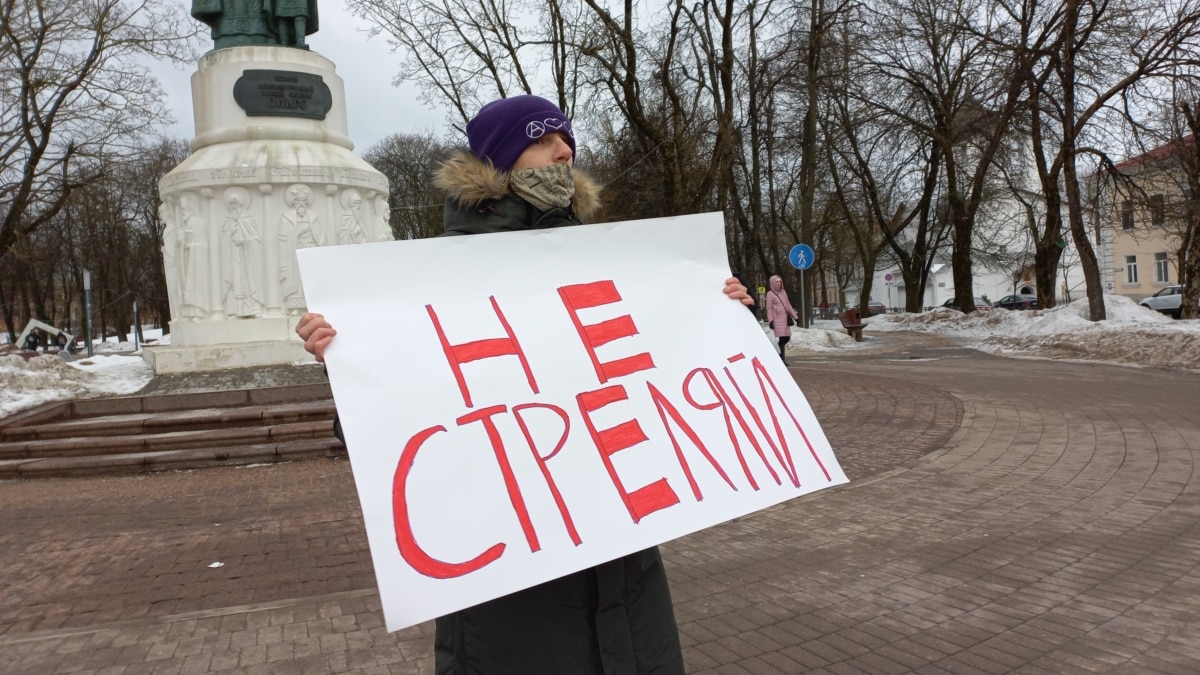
(1007, 532)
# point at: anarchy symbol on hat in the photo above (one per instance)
(535, 129)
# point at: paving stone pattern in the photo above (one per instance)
(1003, 516)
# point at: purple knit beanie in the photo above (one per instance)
(504, 128)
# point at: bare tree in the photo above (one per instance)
(1103, 53)
(661, 94)
(886, 160)
(110, 228)
(969, 92)
(30, 279)
(408, 161)
(766, 142)
(463, 53)
(822, 19)
(907, 118)
(667, 88)
(74, 88)
(139, 180)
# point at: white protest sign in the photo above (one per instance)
(522, 405)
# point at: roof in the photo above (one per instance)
(1164, 151)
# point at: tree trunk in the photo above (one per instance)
(1189, 273)
(1087, 256)
(1047, 252)
(960, 255)
(6, 306)
(808, 158)
(1189, 247)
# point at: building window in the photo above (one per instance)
(1131, 269)
(1127, 214)
(1162, 273)
(1158, 211)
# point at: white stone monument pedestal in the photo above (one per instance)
(271, 171)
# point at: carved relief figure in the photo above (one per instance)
(383, 215)
(192, 260)
(242, 256)
(170, 249)
(350, 228)
(297, 229)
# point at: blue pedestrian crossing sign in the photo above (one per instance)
(801, 256)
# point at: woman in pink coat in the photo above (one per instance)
(780, 313)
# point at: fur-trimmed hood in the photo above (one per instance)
(470, 181)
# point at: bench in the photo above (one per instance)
(852, 322)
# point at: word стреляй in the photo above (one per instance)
(703, 389)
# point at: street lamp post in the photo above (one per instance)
(87, 301)
(137, 329)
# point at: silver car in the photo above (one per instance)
(1168, 301)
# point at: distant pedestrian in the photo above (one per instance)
(781, 316)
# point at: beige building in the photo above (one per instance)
(1142, 222)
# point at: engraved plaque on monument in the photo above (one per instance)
(282, 92)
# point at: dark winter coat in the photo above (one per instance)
(615, 618)
(478, 200)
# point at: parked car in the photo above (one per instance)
(1017, 301)
(1169, 301)
(981, 305)
(875, 307)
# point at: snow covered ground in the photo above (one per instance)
(115, 368)
(45, 378)
(1131, 335)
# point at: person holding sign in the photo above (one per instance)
(616, 617)
(781, 316)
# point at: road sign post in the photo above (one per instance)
(802, 257)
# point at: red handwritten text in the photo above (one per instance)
(757, 416)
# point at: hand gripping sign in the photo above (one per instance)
(522, 405)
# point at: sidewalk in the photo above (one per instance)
(1003, 515)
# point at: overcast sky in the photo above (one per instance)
(374, 107)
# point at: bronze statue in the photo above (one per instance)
(237, 23)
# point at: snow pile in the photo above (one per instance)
(818, 338)
(1130, 335)
(1122, 313)
(45, 378)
